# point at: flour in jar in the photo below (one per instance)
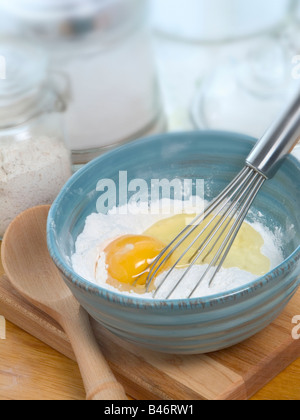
(32, 172)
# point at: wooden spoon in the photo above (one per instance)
(27, 263)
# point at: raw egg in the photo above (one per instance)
(128, 258)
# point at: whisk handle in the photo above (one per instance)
(278, 141)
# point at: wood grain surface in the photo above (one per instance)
(30, 369)
(34, 276)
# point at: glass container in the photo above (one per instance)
(34, 161)
(246, 95)
(104, 47)
(217, 20)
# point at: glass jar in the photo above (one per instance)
(34, 161)
(247, 94)
(297, 9)
(104, 46)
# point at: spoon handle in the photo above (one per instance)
(99, 381)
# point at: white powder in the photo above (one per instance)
(100, 229)
(32, 172)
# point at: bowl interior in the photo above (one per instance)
(215, 157)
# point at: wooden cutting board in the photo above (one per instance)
(232, 374)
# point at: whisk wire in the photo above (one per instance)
(237, 225)
(232, 209)
(226, 245)
(189, 229)
(223, 224)
(210, 236)
(229, 211)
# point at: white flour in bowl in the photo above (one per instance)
(101, 229)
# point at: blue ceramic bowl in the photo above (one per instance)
(197, 325)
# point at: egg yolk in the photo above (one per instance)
(128, 258)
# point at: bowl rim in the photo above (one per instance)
(235, 294)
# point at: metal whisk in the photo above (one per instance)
(226, 214)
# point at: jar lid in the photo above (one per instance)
(52, 9)
(70, 18)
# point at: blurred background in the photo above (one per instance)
(111, 71)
